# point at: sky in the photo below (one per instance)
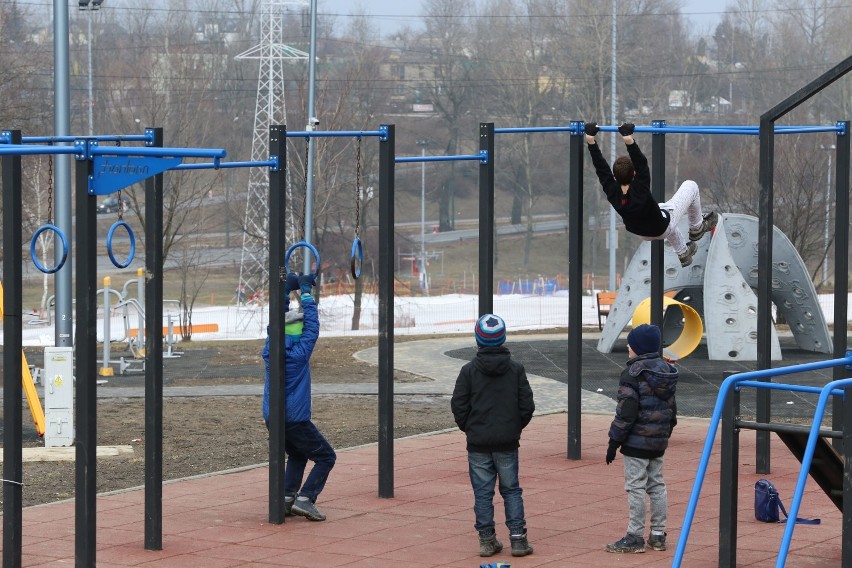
(394, 14)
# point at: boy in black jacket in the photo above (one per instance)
(644, 419)
(628, 189)
(492, 403)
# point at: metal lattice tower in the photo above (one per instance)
(270, 109)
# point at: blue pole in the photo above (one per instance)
(410, 159)
(724, 389)
(336, 133)
(158, 152)
(799, 492)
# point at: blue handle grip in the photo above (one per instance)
(34, 254)
(357, 258)
(116, 225)
(308, 246)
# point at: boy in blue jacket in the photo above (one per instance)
(492, 403)
(303, 442)
(644, 419)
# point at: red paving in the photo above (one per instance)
(573, 509)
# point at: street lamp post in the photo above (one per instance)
(827, 214)
(90, 5)
(423, 280)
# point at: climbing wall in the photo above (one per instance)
(719, 285)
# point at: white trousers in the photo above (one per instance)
(686, 200)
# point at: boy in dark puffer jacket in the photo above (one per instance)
(644, 419)
(492, 403)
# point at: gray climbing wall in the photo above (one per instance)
(724, 269)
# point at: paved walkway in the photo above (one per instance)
(574, 507)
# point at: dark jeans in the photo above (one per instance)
(485, 470)
(303, 442)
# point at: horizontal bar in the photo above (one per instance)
(158, 152)
(784, 387)
(535, 129)
(800, 368)
(30, 150)
(754, 130)
(785, 428)
(6, 138)
(411, 159)
(226, 165)
(337, 134)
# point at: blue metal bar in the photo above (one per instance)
(410, 159)
(157, 152)
(21, 150)
(754, 130)
(6, 139)
(226, 165)
(784, 387)
(724, 389)
(520, 130)
(337, 133)
(799, 492)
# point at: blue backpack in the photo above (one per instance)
(768, 506)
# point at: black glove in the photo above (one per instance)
(610, 451)
(591, 128)
(626, 128)
(292, 282)
(306, 282)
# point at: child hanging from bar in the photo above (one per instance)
(628, 189)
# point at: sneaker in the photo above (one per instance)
(288, 506)
(304, 508)
(657, 541)
(488, 543)
(686, 256)
(520, 544)
(707, 225)
(630, 544)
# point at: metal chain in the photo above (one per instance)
(120, 202)
(50, 189)
(358, 188)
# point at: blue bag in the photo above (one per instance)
(768, 506)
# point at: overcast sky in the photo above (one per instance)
(393, 14)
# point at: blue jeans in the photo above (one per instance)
(303, 442)
(645, 476)
(485, 470)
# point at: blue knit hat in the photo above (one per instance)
(490, 331)
(644, 339)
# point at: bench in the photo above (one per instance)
(605, 301)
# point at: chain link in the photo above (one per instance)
(50, 189)
(358, 188)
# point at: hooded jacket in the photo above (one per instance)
(297, 370)
(492, 401)
(646, 412)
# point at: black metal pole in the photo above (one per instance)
(846, 520)
(487, 223)
(841, 265)
(12, 364)
(277, 291)
(764, 285)
(387, 154)
(658, 189)
(154, 356)
(86, 366)
(576, 148)
(728, 480)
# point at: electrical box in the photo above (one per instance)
(59, 396)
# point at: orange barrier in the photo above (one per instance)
(182, 330)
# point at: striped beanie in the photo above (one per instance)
(490, 331)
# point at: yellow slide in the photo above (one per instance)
(689, 337)
(28, 384)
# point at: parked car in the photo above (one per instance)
(110, 204)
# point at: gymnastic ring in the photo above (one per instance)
(116, 225)
(308, 246)
(34, 254)
(357, 253)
